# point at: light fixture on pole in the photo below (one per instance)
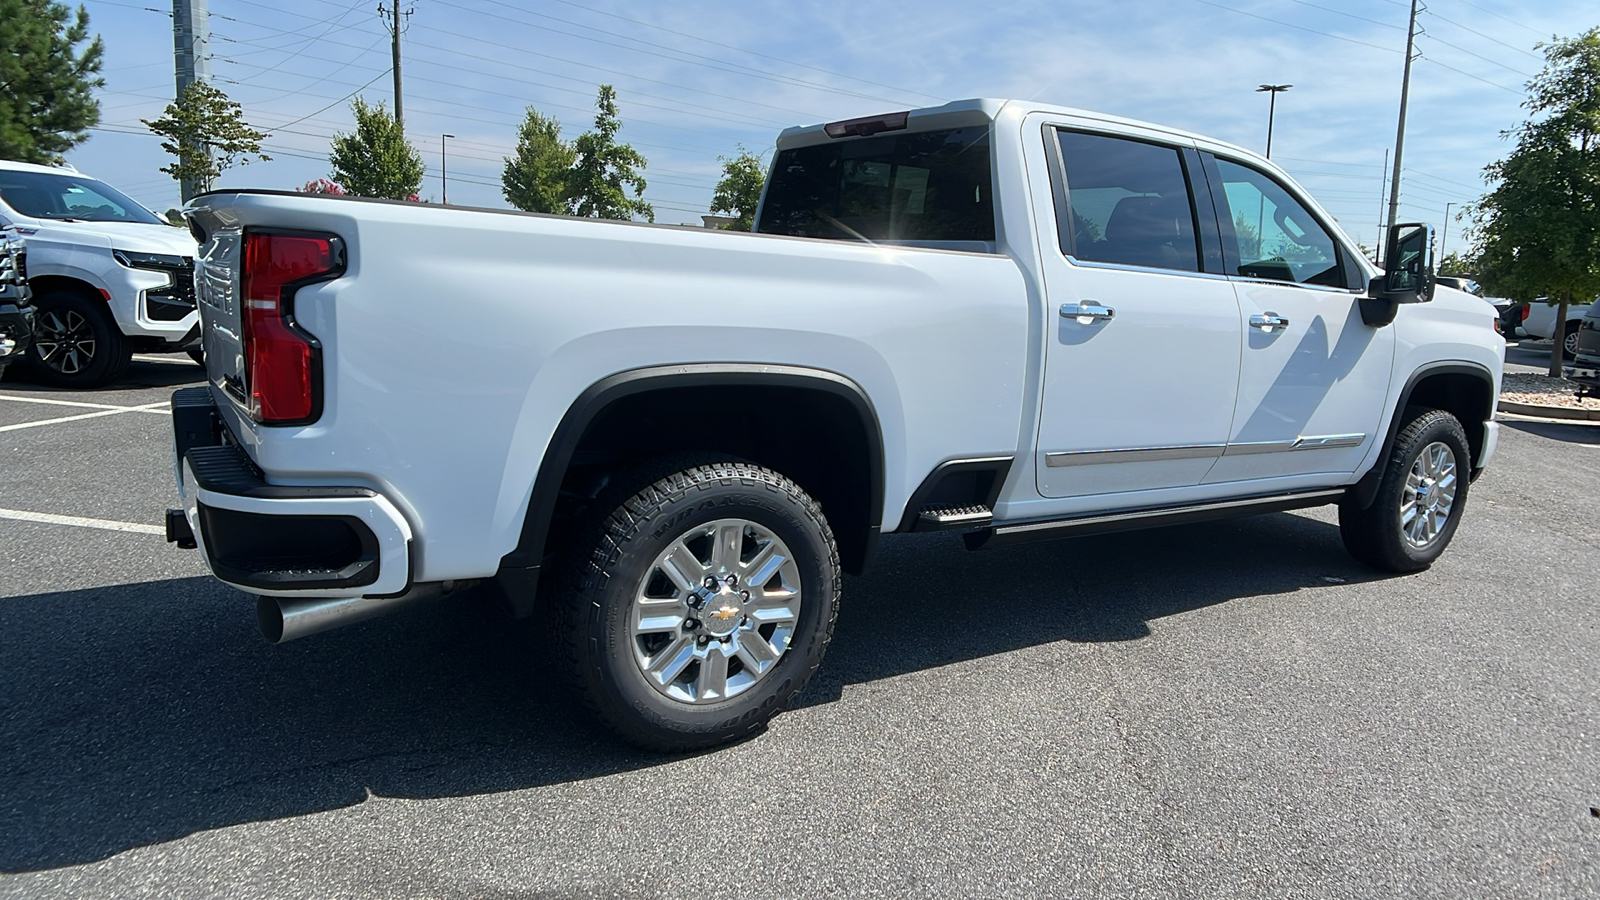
(444, 175)
(1272, 108)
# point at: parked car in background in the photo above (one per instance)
(109, 277)
(1541, 323)
(1509, 311)
(16, 313)
(1585, 368)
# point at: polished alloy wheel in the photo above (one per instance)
(1569, 343)
(715, 611)
(64, 341)
(1429, 495)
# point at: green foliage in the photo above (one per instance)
(604, 169)
(376, 160)
(1538, 229)
(536, 179)
(1249, 238)
(739, 191)
(206, 134)
(47, 103)
(1457, 263)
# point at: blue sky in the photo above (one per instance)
(698, 78)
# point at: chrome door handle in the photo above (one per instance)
(1086, 313)
(1268, 322)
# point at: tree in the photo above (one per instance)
(1538, 228)
(739, 191)
(1457, 263)
(535, 180)
(375, 160)
(603, 169)
(47, 103)
(206, 134)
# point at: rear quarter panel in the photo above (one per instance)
(458, 339)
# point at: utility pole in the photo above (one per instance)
(1273, 90)
(1445, 233)
(444, 173)
(396, 21)
(191, 59)
(1383, 187)
(1400, 131)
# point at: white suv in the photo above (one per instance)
(109, 277)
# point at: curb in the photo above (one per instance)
(1549, 412)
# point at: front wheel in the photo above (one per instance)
(1419, 501)
(705, 604)
(76, 343)
(1569, 341)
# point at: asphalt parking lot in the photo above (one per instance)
(1221, 710)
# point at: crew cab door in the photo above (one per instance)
(1142, 361)
(1314, 377)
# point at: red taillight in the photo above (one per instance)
(280, 358)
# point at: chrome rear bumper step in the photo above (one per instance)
(1025, 532)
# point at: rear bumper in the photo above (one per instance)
(1585, 371)
(281, 540)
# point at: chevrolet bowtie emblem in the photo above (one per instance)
(725, 613)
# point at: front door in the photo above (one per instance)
(1314, 377)
(1142, 365)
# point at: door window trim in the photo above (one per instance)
(1062, 201)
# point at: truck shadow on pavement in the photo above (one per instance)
(137, 714)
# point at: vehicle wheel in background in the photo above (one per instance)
(1569, 341)
(1419, 501)
(700, 599)
(76, 344)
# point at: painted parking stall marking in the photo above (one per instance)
(21, 515)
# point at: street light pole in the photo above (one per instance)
(1273, 90)
(444, 173)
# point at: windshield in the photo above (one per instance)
(41, 195)
(933, 186)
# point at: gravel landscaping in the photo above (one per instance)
(1542, 390)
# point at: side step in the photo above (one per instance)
(934, 519)
(1004, 535)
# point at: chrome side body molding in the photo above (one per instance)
(1201, 451)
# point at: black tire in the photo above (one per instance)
(1569, 341)
(1375, 535)
(631, 525)
(76, 343)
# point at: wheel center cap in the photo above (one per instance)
(722, 612)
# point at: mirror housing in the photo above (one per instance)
(1408, 274)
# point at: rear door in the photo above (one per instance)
(1314, 377)
(1142, 362)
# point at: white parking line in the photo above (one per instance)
(112, 411)
(81, 522)
(54, 402)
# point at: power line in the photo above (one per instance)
(1330, 34)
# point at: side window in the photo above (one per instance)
(1273, 235)
(1128, 203)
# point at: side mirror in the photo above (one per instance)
(1408, 263)
(1407, 278)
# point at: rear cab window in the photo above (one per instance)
(1127, 203)
(931, 188)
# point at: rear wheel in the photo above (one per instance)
(706, 602)
(1419, 501)
(1569, 341)
(76, 343)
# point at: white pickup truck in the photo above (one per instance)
(1010, 319)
